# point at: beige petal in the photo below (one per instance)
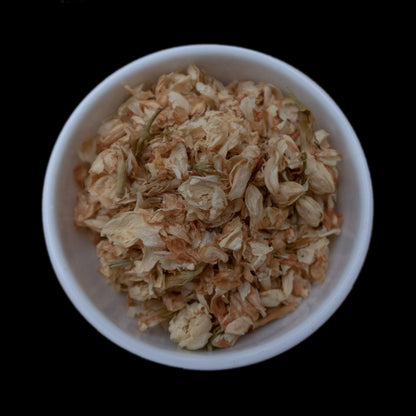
(239, 326)
(288, 193)
(254, 202)
(148, 261)
(239, 177)
(272, 297)
(247, 105)
(260, 248)
(87, 151)
(178, 161)
(232, 235)
(271, 174)
(310, 210)
(320, 179)
(126, 229)
(176, 99)
(308, 254)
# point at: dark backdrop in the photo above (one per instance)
(73, 45)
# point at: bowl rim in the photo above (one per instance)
(228, 358)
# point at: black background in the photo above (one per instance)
(74, 45)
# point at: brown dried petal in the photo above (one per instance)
(212, 254)
(278, 311)
(87, 151)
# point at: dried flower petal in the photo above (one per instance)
(239, 177)
(310, 210)
(288, 193)
(254, 203)
(87, 151)
(211, 254)
(232, 235)
(239, 326)
(126, 229)
(320, 179)
(272, 297)
(271, 174)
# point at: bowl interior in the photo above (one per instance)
(73, 255)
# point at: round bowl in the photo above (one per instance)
(73, 255)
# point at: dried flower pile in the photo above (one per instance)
(210, 205)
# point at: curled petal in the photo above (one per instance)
(271, 174)
(239, 177)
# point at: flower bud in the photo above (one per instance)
(309, 210)
(288, 193)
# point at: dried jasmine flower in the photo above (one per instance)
(221, 221)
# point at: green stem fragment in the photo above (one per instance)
(143, 136)
(203, 168)
(121, 178)
(214, 333)
(306, 122)
(181, 278)
(119, 263)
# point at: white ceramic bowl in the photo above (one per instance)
(74, 258)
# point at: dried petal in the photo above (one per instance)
(140, 292)
(308, 254)
(239, 177)
(271, 174)
(239, 326)
(223, 340)
(212, 254)
(289, 110)
(310, 210)
(204, 193)
(126, 229)
(254, 202)
(178, 161)
(232, 235)
(87, 151)
(320, 179)
(288, 193)
(272, 297)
